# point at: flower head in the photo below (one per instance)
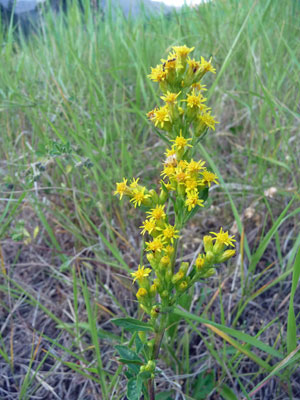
(134, 183)
(169, 232)
(141, 273)
(170, 98)
(156, 245)
(182, 51)
(157, 212)
(207, 121)
(157, 74)
(121, 188)
(148, 226)
(195, 100)
(192, 200)
(139, 196)
(207, 66)
(224, 238)
(181, 142)
(209, 177)
(161, 116)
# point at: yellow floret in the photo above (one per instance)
(141, 273)
(192, 200)
(224, 238)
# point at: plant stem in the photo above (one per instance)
(155, 353)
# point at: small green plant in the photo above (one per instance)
(184, 119)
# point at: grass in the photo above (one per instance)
(73, 99)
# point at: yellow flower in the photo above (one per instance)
(148, 226)
(170, 98)
(182, 51)
(194, 66)
(139, 196)
(206, 66)
(209, 177)
(180, 142)
(172, 63)
(168, 171)
(207, 120)
(141, 273)
(180, 175)
(223, 238)
(195, 100)
(157, 212)
(200, 262)
(195, 166)
(156, 245)
(192, 200)
(191, 184)
(157, 74)
(141, 293)
(199, 86)
(169, 232)
(134, 183)
(121, 188)
(161, 116)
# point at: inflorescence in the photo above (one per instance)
(184, 118)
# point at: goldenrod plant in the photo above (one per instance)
(181, 121)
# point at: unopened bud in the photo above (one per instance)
(200, 262)
(208, 243)
(165, 261)
(150, 366)
(184, 267)
(153, 290)
(141, 293)
(155, 312)
(163, 197)
(209, 257)
(177, 277)
(183, 286)
(209, 273)
(225, 256)
(165, 294)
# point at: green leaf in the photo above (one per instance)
(227, 393)
(134, 389)
(132, 324)
(130, 358)
(164, 396)
(204, 384)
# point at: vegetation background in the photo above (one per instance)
(73, 103)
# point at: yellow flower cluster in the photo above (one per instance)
(183, 188)
(179, 79)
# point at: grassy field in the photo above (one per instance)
(73, 103)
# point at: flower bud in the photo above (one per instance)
(208, 243)
(155, 312)
(150, 367)
(209, 273)
(169, 275)
(225, 256)
(163, 197)
(165, 261)
(200, 261)
(165, 294)
(153, 290)
(184, 267)
(141, 294)
(183, 286)
(209, 257)
(154, 196)
(177, 277)
(218, 247)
